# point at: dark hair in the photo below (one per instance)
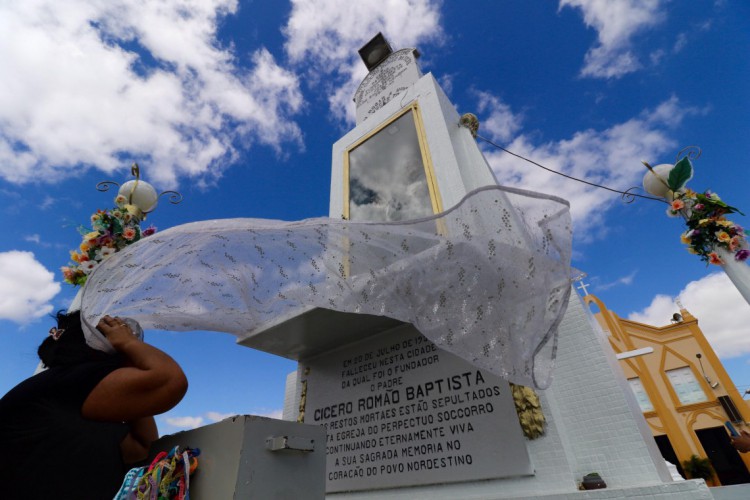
(70, 348)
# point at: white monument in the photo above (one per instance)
(405, 419)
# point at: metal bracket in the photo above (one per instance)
(279, 443)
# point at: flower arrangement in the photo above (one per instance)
(707, 227)
(112, 230)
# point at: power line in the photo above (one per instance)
(626, 195)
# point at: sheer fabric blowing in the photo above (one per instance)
(487, 280)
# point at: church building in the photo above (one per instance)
(682, 389)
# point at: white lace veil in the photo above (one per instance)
(487, 280)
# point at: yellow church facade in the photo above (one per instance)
(683, 390)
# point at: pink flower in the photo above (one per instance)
(105, 240)
(734, 243)
(714, 258)
(678, 205)
(68, 273)
(128, 233)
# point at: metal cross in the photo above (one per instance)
(583, 287)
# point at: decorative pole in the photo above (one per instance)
(710, 235)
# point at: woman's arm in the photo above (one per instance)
(135, 446)
(152, 383)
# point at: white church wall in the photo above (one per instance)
(601, 430)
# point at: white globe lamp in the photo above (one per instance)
(657, 186)
(141, 194)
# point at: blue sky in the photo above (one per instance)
(237, 104)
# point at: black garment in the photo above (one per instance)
(47, 449)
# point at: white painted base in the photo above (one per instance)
(491, 490)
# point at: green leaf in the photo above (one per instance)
(680, 174)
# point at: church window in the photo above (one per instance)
(686, 385)
(640, 394)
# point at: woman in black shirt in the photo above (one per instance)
(70, 431)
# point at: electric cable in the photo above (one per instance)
(625, 194)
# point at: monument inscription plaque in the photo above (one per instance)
(399, 411)
(391, 78)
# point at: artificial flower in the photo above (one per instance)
(103, 253)
(128, 233)
(112, 230)
(91, 237)
(707, 227)
(714, 258)
(107, 251)
(133, 210)
(734, 243)
(742, 255)
(105, 240)
(88, 266)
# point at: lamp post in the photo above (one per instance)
(668, 182)
(113, 230)
(141, 195)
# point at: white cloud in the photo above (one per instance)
(33, 238)
(616, 23)
(26, 287)
(184, 422)
(680, 42)
(722, 313)
(446, 83)
(47, 202)
(210, 417)
(99, 83)
(270, 413)
(625, 280)
(325, 36)
(610, 157)
(500, 122)
(215, 416)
